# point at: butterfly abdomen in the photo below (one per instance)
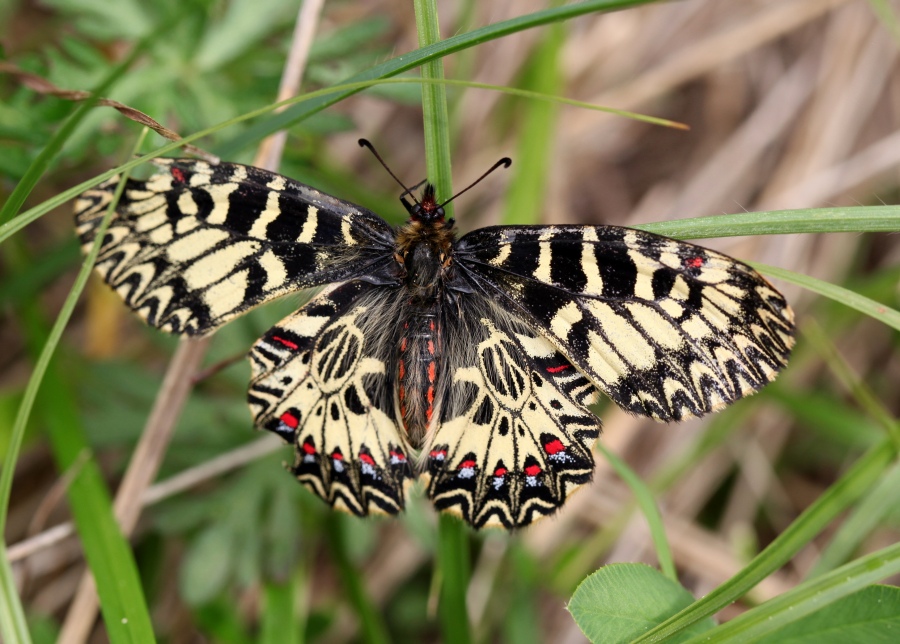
(419, 369)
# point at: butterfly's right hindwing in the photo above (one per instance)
(198, 244)
(323, 379)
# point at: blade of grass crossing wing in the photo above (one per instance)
(106, 550)
(54, 145)
(452, 542)
(648, 506)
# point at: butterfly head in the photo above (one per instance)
(427, 210)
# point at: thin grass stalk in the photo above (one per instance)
(647, 503)
(806, 599)
(372, 627)
(453, 558)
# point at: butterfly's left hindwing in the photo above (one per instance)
(322, 380)
(514, 437)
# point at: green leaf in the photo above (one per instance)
(207, 565)
(621, 601)
(243, 26)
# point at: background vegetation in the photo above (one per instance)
(791, 104)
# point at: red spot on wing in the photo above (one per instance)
(500, 471)
(366, 458)
(438, 453)
(532, 470)
(694, 262)
(336, 455)
(467, 464)
(558, 369)
(554, 447)
(178, 175)
(397, 455)
(308, 448)
(290, 345)
(289, 419)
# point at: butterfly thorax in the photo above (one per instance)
(423, 253)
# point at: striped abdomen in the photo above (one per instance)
(419, 369)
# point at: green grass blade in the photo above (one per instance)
(13, 627)
(280, 623)
(860, 524)
(106, 550)
(435, 114)
(411, 60)
(371, 624)
(856, 481)
(453, 562)
(645, 500)
(537, 130)
(858, 219)
(863, 304)
(454, 568)
(806, 598)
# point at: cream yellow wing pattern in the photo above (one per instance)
(197, 244)
(665, 328)
(323, 381)
(514, 434)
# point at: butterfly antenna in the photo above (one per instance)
(364, 143)
(505, 162)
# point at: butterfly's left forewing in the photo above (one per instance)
(323, 380)
(665, 328)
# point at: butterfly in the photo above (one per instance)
(466, 362)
